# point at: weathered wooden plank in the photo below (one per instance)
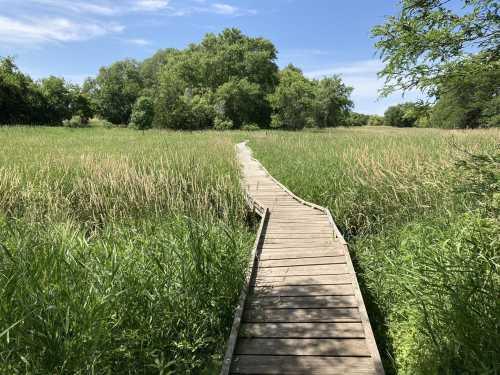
(300, 365)
(304, 290)
(303, 330)
(286, 346)
(300, 253)
(298, 236)
(233, 336)
(301, 261)
(281, 243)
(303, 280)
(328, 269)
(301, 315)
(301, 302)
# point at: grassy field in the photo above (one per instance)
(120, 252)
(421, 215)
(124, 252)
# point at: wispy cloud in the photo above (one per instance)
(81, 7)
(363, 67)
(362, 76)
(215, 8)
(36, 22)
(138, 41)
(150, 5)
(51, 29)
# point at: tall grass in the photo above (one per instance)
(119, 252)
(426, 249)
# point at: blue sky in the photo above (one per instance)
(73, 38)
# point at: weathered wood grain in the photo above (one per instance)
(303, 313)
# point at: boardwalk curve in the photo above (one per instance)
(301, 310)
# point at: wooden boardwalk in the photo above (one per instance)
(301, 311)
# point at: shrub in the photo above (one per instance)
(375, 120)
(436, 282)
(357, 119)
(399, 116)
(250, 127)
(100, 123)
(76, 122)
(222, 124)
(142, 114)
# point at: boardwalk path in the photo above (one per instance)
(302, 311)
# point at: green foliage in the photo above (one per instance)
(58, 99)
(142, 113)
(222, 124)
(121, 253)
(250, 127)
(76, 122)
(425, 37)
(424, 235)
(374, 120)
(292, 101)
(357, 119)
(403, 115)
(436, 281)
(229, 72)
(100, 123)
(49, 101)
(360, 119)
(478, 177)
(192, 110)
(115, 90)
(241, 102)
(332, 104)
(469, 97)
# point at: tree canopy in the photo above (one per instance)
(428, 38)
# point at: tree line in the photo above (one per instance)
(231, 81)
(227, 81)
(48, 101)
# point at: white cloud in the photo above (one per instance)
(215, 8)
(362, 76)
(102, 9)
(138, 41)
(224, 9)
(150, 5)
(363, 67)
(51, 29)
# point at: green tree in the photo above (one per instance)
(242, 102)
(374, 120)
(142, 113)
(80, 103)
(402, 115)
(332, 103)
(115, 90)
(58, 99)
(467, 98)
(292, 101)
(231, 54)
(151, 67)
(357, 119)
(426, 37)
(20, 99)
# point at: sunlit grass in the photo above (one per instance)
(426, 252)
(120, 252)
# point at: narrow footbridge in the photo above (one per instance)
(301, 310)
